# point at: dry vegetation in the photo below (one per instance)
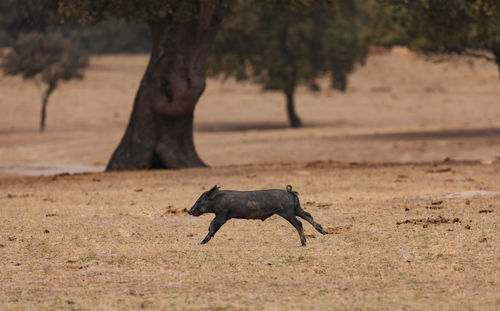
(408, 230)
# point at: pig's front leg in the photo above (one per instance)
(215, 225)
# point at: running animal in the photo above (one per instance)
(261, 204)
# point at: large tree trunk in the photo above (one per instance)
(45, 101)
(496, 52)
(160, 129)
(293, 119)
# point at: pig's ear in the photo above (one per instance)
(212, 192)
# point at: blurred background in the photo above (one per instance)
(359, 81)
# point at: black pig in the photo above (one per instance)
(262, 204)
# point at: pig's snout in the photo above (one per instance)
(194, 212)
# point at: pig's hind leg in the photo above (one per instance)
(298, 225)
(215, 225)
(308, 217)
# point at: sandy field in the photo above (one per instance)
(402, 170)
(398, 108)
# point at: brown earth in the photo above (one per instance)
(402, 170)
(398, 108)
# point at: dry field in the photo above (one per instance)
(398, 108)
(122, 241)
(403, 170)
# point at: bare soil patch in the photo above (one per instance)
(427, 112)
(437, 220)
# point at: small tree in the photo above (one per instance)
(281, 50)
(24, 16)
(48, 59)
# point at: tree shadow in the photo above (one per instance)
(21, 131)
(207, 127)
(439, 134)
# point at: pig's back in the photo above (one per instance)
(258, 204)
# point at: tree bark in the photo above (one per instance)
(160, 129)
(496, 52)
(45, 101)
(293, 119)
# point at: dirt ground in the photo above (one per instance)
(402, 170)
(398, 108)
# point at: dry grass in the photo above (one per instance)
(110, 241)
(369, 159)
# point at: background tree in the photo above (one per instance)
(110, 36)
(46, 59)
(281, 50)
(160, 129)
(462, 27)
(18, 17)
